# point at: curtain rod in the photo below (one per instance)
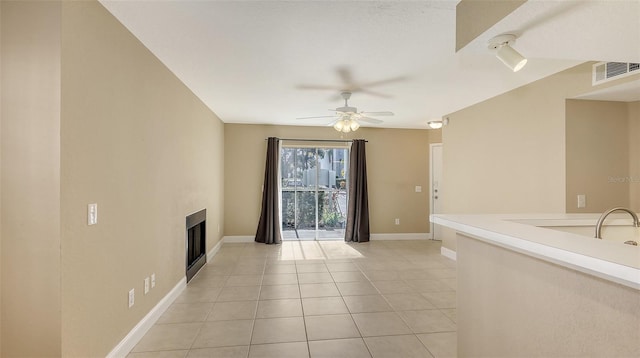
(318, 140)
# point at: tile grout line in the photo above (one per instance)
(255, 314)
(304, 320)
(403, 264)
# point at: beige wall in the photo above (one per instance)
(597, 155)
(89, 115)
(633, 109)
(136, 141)
(397, 161)
(512, 305)
(507, 154)
(474, 17)
(1, 84)
(30, 178)
(501, 156)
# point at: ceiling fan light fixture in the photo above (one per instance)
(507, 54)
(346, 125)
(348, 118)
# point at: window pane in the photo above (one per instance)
(314, 192)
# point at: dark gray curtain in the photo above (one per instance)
(269, 225)
(357, 229)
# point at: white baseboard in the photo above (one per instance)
(403, 236)
(398, 236)
(215, 250)
(135, 335)
(448, 253)
(238, 239)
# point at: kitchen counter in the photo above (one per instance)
(609, 260)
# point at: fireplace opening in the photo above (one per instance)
(196, 242)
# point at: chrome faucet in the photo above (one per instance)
(636, 222)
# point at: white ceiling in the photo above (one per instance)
(250, 61)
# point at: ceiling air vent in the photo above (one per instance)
(606, 71)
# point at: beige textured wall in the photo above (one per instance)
(435, 136)
(474, 17)
(30, 178)
(633, 109)
(544, 310)
(501, 156)
(136, 141)
(397, 161)
(507, 154)
(1, 84)
(597, 155)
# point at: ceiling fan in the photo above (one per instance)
(352, 85)
(347, 119)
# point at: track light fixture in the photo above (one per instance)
(505, 53)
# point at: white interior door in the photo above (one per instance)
(436, 183)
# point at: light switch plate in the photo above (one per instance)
(132, 297)
(582, 201)
(418, 189)
(92, 214)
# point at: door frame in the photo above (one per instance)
(431, 161)
(317, 190)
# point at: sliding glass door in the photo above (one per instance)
(313, 192)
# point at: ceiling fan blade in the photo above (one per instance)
(377, 114)
(373, 93)
(319, 87)
(336, 97)
(384, 82)
(370, 120)
(316, 117)
(345, 76)
(330, 124)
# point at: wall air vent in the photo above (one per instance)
(607, 71)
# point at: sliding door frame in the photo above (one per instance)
(302, 144)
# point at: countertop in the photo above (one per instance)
(609, 260)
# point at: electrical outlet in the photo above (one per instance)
(146, 285)
(153, 280)
(397, 221)
(132, 297)
(92, 214)
(582, 200)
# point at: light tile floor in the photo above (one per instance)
(313, 299)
